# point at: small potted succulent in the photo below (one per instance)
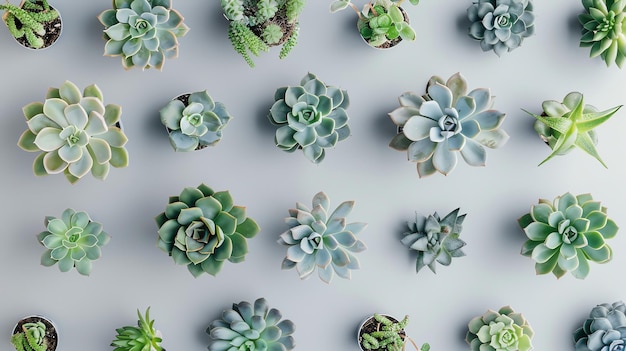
(447, 120)
(569, 124)
(384, 332)
(194, 121)
(256, 25)
(501, 330)
(565, 234)
(143, 32)
(310, 117)
(501, 25)
(382, 24)
(604, 330)
(35, 333)
(143, 337)
(603, 30)
(34, 23)
(75, 133)
(318, 238)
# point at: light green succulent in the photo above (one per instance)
(567, 233)
(27, 23)
(143, 32)
(503, 330)
(251, 327)
(32, 337)
(73, 240)
(143, 337)
(604, 30)
(194, 121)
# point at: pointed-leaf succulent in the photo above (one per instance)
(504, 330)
(567, 233)
(143, 337)
(604, 30)
(604, 330)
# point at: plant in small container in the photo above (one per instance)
(35, 333)
(34, 23)
(143, 337)
(383, 332)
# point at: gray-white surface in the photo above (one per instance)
(134, 274)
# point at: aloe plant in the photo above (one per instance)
(30, 22)
(604, 30)
(143, 337)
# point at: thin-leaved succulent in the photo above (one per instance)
(32, 337)
(604, 30)
(604, 330)
(143, 337)
(504, 330)
(28, 23)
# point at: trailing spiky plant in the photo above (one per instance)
(29, 21)
(31, 338)
(381, 332)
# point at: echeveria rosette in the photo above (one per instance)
(195, 125)
(311, 117)
(73, 240)
(445, 121)
(201, 229)
(567, 233)
(604, 330)
(603, 30)
(143, 32)
(501, 25)
(251, 327)
(504, 330)
(435, 239)
(316, 239)
(569, 124)
(75, 133)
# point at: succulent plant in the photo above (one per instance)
(433, 127)
(32, 337)
(34, 24)
(604, 330)
(311, 117)
(75, 133)
(382, 332)
(141, 338)
(317, 239)
(501, 25)
(569, 124)
(603, 30)
(143, 32)
(202, 229)
(73, 240)
(435, 239)
(252, 327)
(194, 121)
(503, 330)
(563, 235)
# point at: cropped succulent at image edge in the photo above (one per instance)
(504, 330)
(604, 30)
(604, 330)
(143, 337)
(34, 24)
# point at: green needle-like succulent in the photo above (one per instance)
(143, 337)
(503, 330)
(604, 30)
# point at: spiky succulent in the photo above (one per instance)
(316, 239)
(143, 32)
(75, 133)
(382, 332)
(27, 23)
(569, 124)
(501, 25)
(194, 121)
(32, 337)
(504, 330)
(311, 116)
(201, 229)
(433, 127)
(604, 30)
(567, 233)
(143, 337)
(604, 330)
(251, 327)
(73, 240)
(435, 239)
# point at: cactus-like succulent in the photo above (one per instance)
(73, 240)
(447, 120)
(603, 30)
(435, 239)
(311, 117)
(34, 333)
(569, 124)
(248, 326)
(316, 238)
(75, 133)
(201, 229)
(504, 330)
(567, 233)
(143, 337)
(143, 32)
(501, 25)
(604, 330)
(194, 121)
(34, 24)
(382, 332)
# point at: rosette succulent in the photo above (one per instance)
(435, 239)
(143, 32)
(570, 124)
(194, 121)
(447, 120)
(75, 133)
(604, 330)
(603, 30)
(317, 239)
(201, 229)
(142, 337)
(567, 233)
(501, 25)
(73, 240)
(311, 117)
(251, 327)
(503, 330)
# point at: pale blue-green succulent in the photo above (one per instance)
(604, 30)
(504, 330)
(604, 330)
